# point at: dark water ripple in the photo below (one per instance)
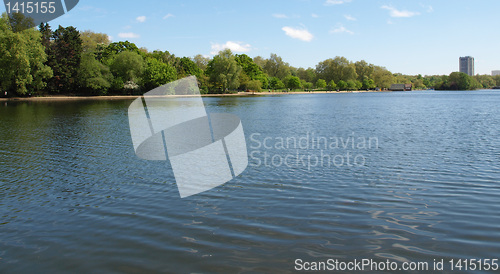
(74, 198)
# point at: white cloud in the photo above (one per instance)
(280, 16)
(301, 34)
(336, 2)
(350, 18)
(233, 46)
(167, 16)
(141, 19)
(128, 35)
(341, 29)
(399, 13)
(314, 15)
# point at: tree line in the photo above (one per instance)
(43, 61)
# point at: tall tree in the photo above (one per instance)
(368, 83)
(486, 81)
(46, 35)
(259, 61)
(342, 85)
(293, 82)
(188, 67)
(364, 70)
(223, 71)
(65, 55)
(382, 77)
(255, 85)
(92, 41)
(19, 22)
(497, 80)
(251, 69)
(332, 85)
(321, 84)
(276, 83)
(127, 66)
(118, 47)
(309, 75)
(22, 58)
(157, 73)
(276, 67)
(93, 77)
(460, 81)
(336, 69)
(201, 61)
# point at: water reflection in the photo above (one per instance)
(73, 196)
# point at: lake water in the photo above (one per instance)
(410, 177)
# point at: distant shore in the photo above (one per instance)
(131, 97)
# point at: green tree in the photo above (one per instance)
(358, 84)
(251, 69)
(223, 71)
(94, 77)
(127, 66)
(459, 81)
(332, 85)
(342, 85)
(336, 69)
(307, 85)
(65, 54)
(157, 73)
(368, 83)
(486, 81)
(118, 47)
(497, 80)
(293, 82)
(259, 61)
(442, 82)
(309, 75)
(418, 84)
(351, 85)
(22, 58)
(364, 70)
(46, 35)
(201, 61)
(19, 22)
(382, 77)
(474, 84)
(255, 85)
(188, 67)
(248, 66)
(92, 41)
(275, 83)
(276, 67)
(321, 84)
(243, 79)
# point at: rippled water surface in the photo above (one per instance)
(75, 198)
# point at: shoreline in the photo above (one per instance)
(132, 97)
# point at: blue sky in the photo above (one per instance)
(411, 37)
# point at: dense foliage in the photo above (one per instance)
(67, 61)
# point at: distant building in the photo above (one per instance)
(467, 65)
(495, 73)
(401, 87)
